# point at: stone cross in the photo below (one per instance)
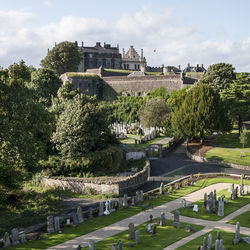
(162, 220)
(137, 237)
(162, 188)
(50, 224)
(119, 245)
(91, 245)
(209, 241)
(6, 239)
(176, 222)
(183, 203)
(79, 214)
(14, 236)
(57, 224)
(131, 231)
(106, 212)
(236, 239)
(220, 207)
(75, 220)
(23, 237)
(125, 200)
(120, 205)
(101, 209)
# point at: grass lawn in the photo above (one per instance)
(227, 238)
(99, 222)
(229, 155)
(146, 144)
(244, 219)
(165, 236)
(229, 208)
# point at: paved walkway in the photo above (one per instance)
(142, 217)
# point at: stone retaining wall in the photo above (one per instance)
(114, 185)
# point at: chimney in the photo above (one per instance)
(141, 54)
(123, 52)
(118, 46)
(82, 44)
(202, 65)
(197, 66)
(179, 67)
(48, 50)
(76, 43)
(98, 44)
(55, 43)
(188, 65)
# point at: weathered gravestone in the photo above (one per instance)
(154, 230)
(120, 205)
(137, 237)
(205, 200)
(236, 239)
(246, 239)
(217, 244)
(209, 241)
(132, 201)
(137, 196)
(195, 208)
(57, 224)
(91, 245)
(176, 222)
(183, 203)
(75, 219)
(148, 228)
(220, 207)
(14, 236)
(101, 209)
(50, 224)
(111, 206)
(131, 231)
(6, 239)
(189, 228)
(141, 196)
(106, 212)
(113, 246)
(90, 213)
(162, 220)
(125, 200)
(151, 218)
(79, 214)
(205, 243)
(162, 188)
(119, 245)
(221, 245)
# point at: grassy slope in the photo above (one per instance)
(244, 219)
(99, 222)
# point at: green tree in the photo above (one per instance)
(237, 98)
(220, 76)
(19, 71)
(46, 84)
(244, 138)
(154, 112)
(64, 57)
(160, 92)
(202, 112)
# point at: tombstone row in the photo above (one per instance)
(13, 238)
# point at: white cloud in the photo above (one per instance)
(174, 42)
(48, 3)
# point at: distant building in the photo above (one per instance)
(97, 56)
(132, 61)
(197, 68)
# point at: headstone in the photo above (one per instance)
(218, 235)
(50, 224)
(215, 196)
(79, 214)
(119, 245)
(131, 231)
(141, 196)
(195, 208)
(120, 205)
(233, 193)
(205, 243)
(23, 237)
(176, 222)
(220, 207)
(208, 209)
(236, 239)
(162, 188)
(111, 206)
(221, 245)
(162, 220)
(151, 218)
(75, 219)
(137, 237)
(183, 203)
(217, 244)
(236, 192)
(125, 200)
(91, 245)
(148, 228)
(209, 241)
(133, 201)
(68, 221)
(246, 239)
(106, 212)
(57, 224)
(113, 246)
(90, 213)
(101, 208)
(137, 196)
(242, 185)
(6, 239)
(14, 236)
(245, 189)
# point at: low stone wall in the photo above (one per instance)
(135, 155)
(222, 163)
(105, 185)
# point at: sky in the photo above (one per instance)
(171, 32)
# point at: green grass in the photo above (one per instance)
(229, 155)
(244, 219)
(118, 70)
(81, 75)
(99, 222)
(146, 144)
(227, 241)
(229, 208)
(165, 236)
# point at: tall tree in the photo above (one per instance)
(64, 57)
(219, 76)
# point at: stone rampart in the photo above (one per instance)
(105, 185)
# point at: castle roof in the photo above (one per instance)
(99, 49)
(131, 54)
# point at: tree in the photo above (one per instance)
(46, 84)
(81, 128)
(160, 92)
(244, 138)
(64, 57)
(154, 112)
(237, 98)
(220, 76)
(202, 112)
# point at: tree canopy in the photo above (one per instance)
(64, 57)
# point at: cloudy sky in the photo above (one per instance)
(179, 31)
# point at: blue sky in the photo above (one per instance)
(180, 31)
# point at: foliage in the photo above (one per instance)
(64, 57)
(219, 76)
(46, 84)
(202, 112)
(82, 75)
(153, 112)
(19, 72)
(160, 92)
(244, 138)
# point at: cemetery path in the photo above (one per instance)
(142, 217)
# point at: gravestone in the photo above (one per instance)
(162, 220)
(221, 245)
(131, 231)
(106, 212)
(205, 243)
(137, 237)
(111, 206)
(90, 213)
(215, 196)
(119, 245)
(75, 219)
(205, 200)
(209, 241)
(217, 244)
(120, 205)
(79, 214)
(162, 188)
(23, 237)
(57, 224)
(132, 201)
(236, 192)
(91, 245)
(245, 189)
(141, 196)
(113, 246)
(151, 218)
(137, 196)
(6, 239)
(195, 208)
(220, 207)
(233, 193)
(101, 209)
(208, 208)
(242, 185)
(154, 230)
(50, 224)
(218, 235)
(14, 236)
(183, 203)
(176, 222)
(68, 221)
(236, 239)
(148, 228)
(125, 200)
